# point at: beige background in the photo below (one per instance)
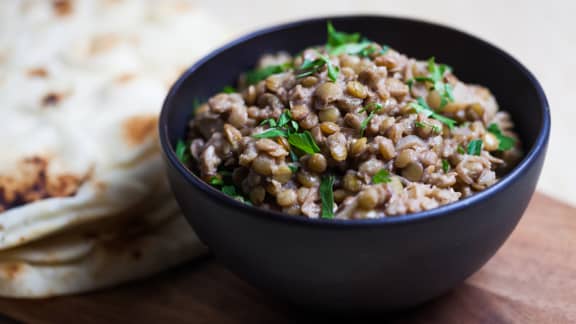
(541, 34)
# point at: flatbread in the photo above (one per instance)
(100, 264)
(81, 86)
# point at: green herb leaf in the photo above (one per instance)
(229, 89)
(505, 142)
(445, 166)
(303, 141)
(363, 49)
(295, 125)
(258, 75)
(422, 107)
(309, 67)
(229, 190)
(382, 176)
(182, 151)
(435, 128)
(284, 118)
(270, 121)
(293, 167)
(336, 38)
(327, 196)
(460, 150)
(365, 122)
(475, 147)
(436, 78)
(293, 156)
(216, 181)
(333, 71)
(271, 133)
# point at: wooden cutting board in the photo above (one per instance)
(532, 279)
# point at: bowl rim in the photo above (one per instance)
(526, 163)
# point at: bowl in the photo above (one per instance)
(373, 264)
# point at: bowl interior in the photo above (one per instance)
(473, 61)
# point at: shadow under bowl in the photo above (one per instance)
(377, 264)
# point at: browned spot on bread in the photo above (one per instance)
(52, 99)
(31, 182)
(11, 270)
(37, 73)
(103, 43)
(62, 7)
(138, 128)
(126, 77)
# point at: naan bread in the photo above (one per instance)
(81, 85)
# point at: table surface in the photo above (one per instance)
(541, 34)
(532, 279)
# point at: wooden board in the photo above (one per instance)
(532, 279)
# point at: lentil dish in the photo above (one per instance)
(351, 129)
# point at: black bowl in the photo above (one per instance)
(378, 264)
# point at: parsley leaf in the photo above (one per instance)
(460, 150)
(436, 78)
(271, 133)
(286, 127)
(269, 121)
(445, 166)
(382, 176)
(363, 49)
(422, 107)
(258, 75)
(303, 141)
(309, 67)
(505, 142)
(365, 122)
(327, 196)
(216, 181)
(284, 118)
(228, 89)
(337, 38)
(182, 151)
(227, 188)
(435, 128)
(475, 147)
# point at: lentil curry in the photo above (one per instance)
(350, 130)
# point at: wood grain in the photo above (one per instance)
(532, 279)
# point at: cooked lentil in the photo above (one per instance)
(355, 111)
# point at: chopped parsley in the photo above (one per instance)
(422, 107)
(310, 67)
(304, 142)
(228, 89)
(382, 176)
(216, 180)
(435, 128)
(475, 147)
(182, 151)
(365, 122)
(337, 38)
(436, 78)
(327, 196)
(223, 181)
(258, 75)
(505, 142)
(271, 133)
(445, 166)
(460, 150)
(286, 127)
